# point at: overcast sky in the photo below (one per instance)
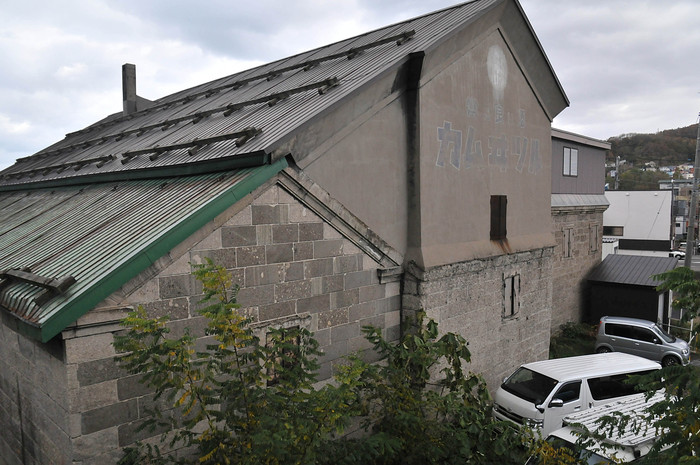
(626, 65)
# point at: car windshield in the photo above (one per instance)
(529, 385)
(664, 335)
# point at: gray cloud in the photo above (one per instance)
(626, 65)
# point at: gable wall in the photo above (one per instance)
(293, 269)
(483, 133)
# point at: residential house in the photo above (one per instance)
(578, 204)
(405, 169)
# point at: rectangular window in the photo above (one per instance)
(613, 230)
(511, 295)
(594, 238)
(498, 217)
(570, 161)
(567, 242)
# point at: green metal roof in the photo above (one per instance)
(102, 235)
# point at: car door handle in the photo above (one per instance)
(576, 409)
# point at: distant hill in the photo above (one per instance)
(668, 147)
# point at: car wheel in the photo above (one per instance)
(669, 360)
(602, 350)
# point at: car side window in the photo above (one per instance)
(569, 392)
(614, 329)
(644, 334)
(611, 386)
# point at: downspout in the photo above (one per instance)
(411, 104)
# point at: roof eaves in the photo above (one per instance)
(82, 303)
(251, 159)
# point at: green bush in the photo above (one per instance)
(245, 402)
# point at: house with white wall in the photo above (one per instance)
(641, 221)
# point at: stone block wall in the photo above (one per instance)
(468, 299)
(35, 420)
(292, 269)
(570, 290)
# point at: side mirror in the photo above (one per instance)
(657, 340)
(556, 403)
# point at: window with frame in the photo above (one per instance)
(570, 161)
(498, 217)
(567, 242)
(569, 392)
(593, 237)
(511, 295)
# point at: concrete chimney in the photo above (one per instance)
(129, 88)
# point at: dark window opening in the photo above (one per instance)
(498, 217)
(613, 230)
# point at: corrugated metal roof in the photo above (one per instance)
(633, 270)
(102, 235)
(579, 200)
(100, 204)
(202, 112)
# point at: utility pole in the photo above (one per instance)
(692, 217)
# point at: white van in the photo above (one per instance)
(615, 447)
(541, 394)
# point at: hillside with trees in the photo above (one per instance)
(668, 147)
(671, 147)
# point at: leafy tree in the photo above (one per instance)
(242, 401)
(419, 406)
(239, 401)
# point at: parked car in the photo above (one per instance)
(677, 253)
(614, 446)
(641, 337)
(540, 394)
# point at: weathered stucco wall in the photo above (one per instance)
(483, 133)
(364, 167)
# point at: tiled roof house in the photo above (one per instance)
(407, 168)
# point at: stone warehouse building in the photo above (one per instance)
(407, 168)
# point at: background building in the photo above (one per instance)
(641, 221)
(578, 203)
